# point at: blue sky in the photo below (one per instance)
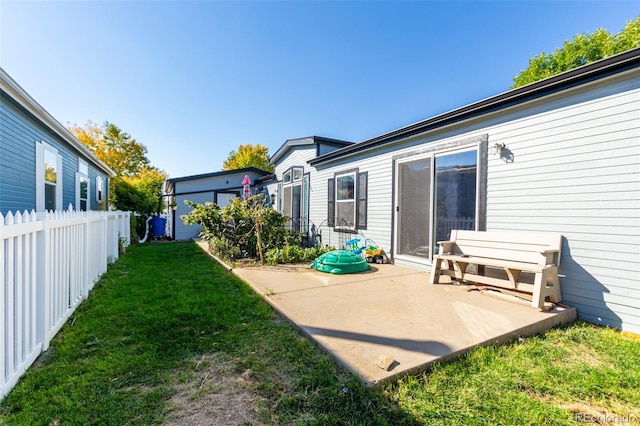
(192, 80)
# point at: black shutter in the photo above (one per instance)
(331, 202)
(361, 202)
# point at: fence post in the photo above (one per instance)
(84, 240)
(3, 305)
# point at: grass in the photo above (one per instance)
(168, 336)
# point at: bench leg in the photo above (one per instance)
(435, 271)
(514, 276)
(554, 290)
(460, 268)
(539, 289)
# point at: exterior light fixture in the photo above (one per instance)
(497, 149)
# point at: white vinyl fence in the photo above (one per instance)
(50, 261)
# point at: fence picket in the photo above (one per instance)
(3, 345)
(50, 261)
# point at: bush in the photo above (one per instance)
(295, 254)
(233, 231)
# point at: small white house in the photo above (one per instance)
(289, 187)
(560, 155)
(219, 187)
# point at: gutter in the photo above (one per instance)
(577, 76)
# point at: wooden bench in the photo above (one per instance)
(512, 252)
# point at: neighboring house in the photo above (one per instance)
(218, 187)
(42, 165)
(559, 155)
(288, 187)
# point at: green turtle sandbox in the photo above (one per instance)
(340, 262)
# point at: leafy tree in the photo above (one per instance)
(137, 186)
(584, 48)
(141, 193)
(249, 156)
(117, 149)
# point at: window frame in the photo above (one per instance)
(351, 200)
(82, 175)
(42, 149)
(359, 198)
(294, 177)
(99, 189)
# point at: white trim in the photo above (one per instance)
(83, 172)
(353, 199)
(59, 184)
(39, 177)
(41, 148)
(99, 189)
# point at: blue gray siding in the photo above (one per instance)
(19, 133)
(17, 158)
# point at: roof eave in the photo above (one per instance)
(595, 70)
(17, 93)
(309, 140)
(220, 173)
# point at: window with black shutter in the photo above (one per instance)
(361, 206)
(331, 203)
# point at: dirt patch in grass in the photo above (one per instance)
(212, 392)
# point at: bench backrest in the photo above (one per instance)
(517, 246)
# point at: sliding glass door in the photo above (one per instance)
(435, 193)
(413, 208)
(455, 194)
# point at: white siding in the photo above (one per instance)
(575, 170)
(297, 156)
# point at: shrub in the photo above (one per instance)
(294, 254)
(234, 231)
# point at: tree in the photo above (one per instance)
(584, 48)
(138, 186)
(249, 156)
(117, 149)
(141, 193)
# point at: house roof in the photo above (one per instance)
(221, 173)
(594, 71)
(310, 140)
(266, 178)
(20, 96)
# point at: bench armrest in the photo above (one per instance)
(446, 246)
(551, 256)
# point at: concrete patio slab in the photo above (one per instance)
(393, 312)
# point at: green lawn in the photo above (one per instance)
(168, 336)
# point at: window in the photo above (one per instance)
(48, 177)
(99, 189)
(347, 200)
(294, 197)
(82, 186)
(297, 174)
